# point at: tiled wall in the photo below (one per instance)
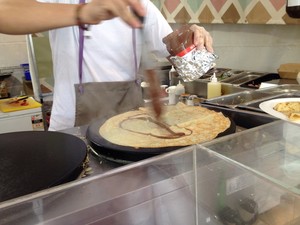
(13, 50)
(252, 47)
(255, 47)
(225, 11)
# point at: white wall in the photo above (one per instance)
(13, 50)
(250, 47)
(256, 47)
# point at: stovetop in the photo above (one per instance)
(96, 164)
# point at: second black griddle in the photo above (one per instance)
(126, 154)
(31, 161)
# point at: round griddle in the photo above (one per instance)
(31, 161)
(125, 154)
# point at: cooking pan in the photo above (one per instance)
(125, 154)
(31, 161)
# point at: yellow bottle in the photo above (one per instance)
(213, 87)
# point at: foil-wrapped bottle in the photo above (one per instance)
(189, 62)
(180, 41)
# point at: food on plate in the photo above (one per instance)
(295, 116)
(180, 125)
(290, 109)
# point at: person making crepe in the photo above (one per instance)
(111, 58)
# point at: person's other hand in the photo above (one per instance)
(202, 38)
(99, 10)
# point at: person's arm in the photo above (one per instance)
(30, 16)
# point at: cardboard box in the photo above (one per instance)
(289, 70)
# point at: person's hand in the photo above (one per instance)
(99, 10)
(202, 38)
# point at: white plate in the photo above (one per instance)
(268, 106)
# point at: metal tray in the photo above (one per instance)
(245, 98)
(284, 88)
(243, 78)
(233, 100)
(255, 84)
(222, 73)
(254, 105)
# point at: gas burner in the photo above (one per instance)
(101, 157)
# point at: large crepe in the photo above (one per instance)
(180, 125)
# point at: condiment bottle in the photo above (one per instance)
(171, 90)
(172, 74)
(213, 87)
(179, 90)
(293, 8)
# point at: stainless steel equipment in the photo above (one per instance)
(243, 78)
(250, 99)
(246, 178)
(254, 105)
(235, 99)
(233, 81)
(199, 88)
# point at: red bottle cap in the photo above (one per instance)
(185, 51)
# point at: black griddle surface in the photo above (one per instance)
(120, 153)
(31, 161)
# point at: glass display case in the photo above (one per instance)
(250, 177)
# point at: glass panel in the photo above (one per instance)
(193, 185)
(233, 194)
(159, 192)
(272, 151)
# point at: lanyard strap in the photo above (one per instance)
(135, 53)
(81, 43)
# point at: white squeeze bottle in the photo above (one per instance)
(213, 87)
(179, 90)
(172, 73)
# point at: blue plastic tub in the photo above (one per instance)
(25, 67)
